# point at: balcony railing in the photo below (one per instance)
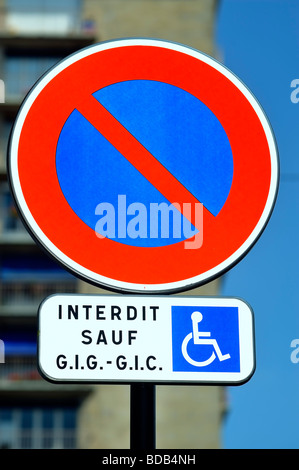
(41, 16)
(32, 292)
(19, 368)
(23, 298)
(46, 23)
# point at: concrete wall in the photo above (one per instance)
(189, 22)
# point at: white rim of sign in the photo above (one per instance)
(94, 277)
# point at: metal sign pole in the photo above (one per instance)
(143, 416)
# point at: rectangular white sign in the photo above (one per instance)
(159, 339)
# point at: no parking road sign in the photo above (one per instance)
(160, 339)
(143, 166)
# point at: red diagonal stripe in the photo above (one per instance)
(136, 154)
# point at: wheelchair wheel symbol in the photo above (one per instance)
(199, 338)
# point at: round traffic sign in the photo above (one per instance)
(143, 165)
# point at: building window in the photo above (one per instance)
(38, 428)
(9, 220)
(22, 71)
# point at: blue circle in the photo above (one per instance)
(111, 196)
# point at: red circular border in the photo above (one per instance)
(222, 235)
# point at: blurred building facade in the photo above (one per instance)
(34, 35)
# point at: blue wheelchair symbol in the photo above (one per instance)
(205, 339)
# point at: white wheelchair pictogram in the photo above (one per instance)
(199, 338)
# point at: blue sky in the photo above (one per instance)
(259, 41)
